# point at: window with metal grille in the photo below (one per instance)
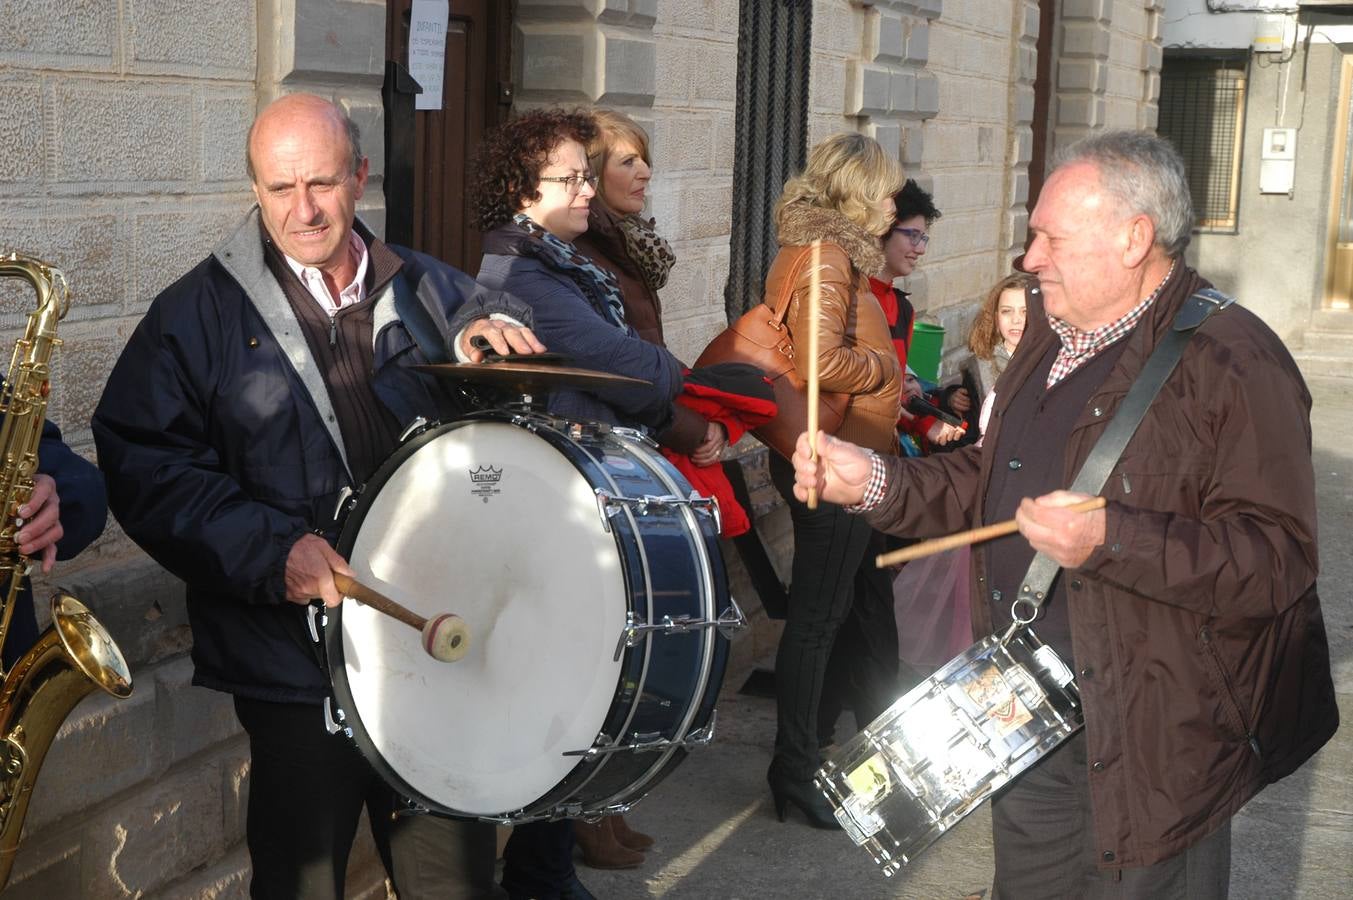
(1202, 112)
(770, 138)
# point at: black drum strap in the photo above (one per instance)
(419, 323)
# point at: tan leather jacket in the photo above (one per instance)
(855, 349)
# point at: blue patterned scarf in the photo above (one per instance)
(599, 286)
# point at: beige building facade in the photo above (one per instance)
(121, 161)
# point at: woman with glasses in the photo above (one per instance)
(532, 199)
(844, 197)
(903, 246)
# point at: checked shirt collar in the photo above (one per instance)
(1079, 347)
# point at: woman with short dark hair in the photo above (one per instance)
(532, 200)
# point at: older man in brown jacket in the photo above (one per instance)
(1187, 606)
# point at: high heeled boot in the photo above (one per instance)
(627, 836)
(810, 801)
(601, 849)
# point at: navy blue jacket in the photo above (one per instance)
(84, 510)
(221, 447)
(566, 322)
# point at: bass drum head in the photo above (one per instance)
(490, 522)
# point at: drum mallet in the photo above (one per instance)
(964, 538)
(446, 637)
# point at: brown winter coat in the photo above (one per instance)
(1198, 638)
(855, 345)
(605, 245)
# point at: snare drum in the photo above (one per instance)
(952, 741)
(590, 577)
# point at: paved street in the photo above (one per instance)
(718, 836)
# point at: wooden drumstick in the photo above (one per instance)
(964, 538)
(446, 637)
(814, 308)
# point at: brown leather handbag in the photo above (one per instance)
(759, 337)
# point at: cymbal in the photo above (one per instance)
(530, 377)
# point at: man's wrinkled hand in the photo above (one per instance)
(840, 473)
(311, 565)
(1067, 537)
(504, 337)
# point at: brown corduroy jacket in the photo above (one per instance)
(1199, 641)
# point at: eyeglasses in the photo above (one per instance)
(573, 183)
(917, 237)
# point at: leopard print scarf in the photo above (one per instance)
(650, 252)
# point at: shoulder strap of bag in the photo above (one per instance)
(781, 307)
(419, 323)
(1107, 450)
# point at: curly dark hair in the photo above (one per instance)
(913, 200)
(508, 162)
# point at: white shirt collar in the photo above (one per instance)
(313, 278)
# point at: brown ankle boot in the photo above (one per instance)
(627, 836)
(600, 848)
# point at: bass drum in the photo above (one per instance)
(590, 578)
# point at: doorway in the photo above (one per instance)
(476, 95)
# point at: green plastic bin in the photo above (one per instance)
(927, 343)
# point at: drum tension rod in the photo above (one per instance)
(609, 505)
(647, 743)
(728, 622)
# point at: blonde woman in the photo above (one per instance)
(844, 197)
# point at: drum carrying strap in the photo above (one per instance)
(419, 324)
(1107, 450)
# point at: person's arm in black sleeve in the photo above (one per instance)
(79, 485)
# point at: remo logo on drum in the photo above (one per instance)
(484, 481)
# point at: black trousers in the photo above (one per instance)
(538, 860)
(830, 549)
(307, 789)
(1045, 844)
(862, 671)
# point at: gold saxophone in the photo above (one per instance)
(75, 654)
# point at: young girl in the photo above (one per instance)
(996, 333)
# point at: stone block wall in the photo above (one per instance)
(693, 142)
(122, 163)
(1108, 66)
(981, 58)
